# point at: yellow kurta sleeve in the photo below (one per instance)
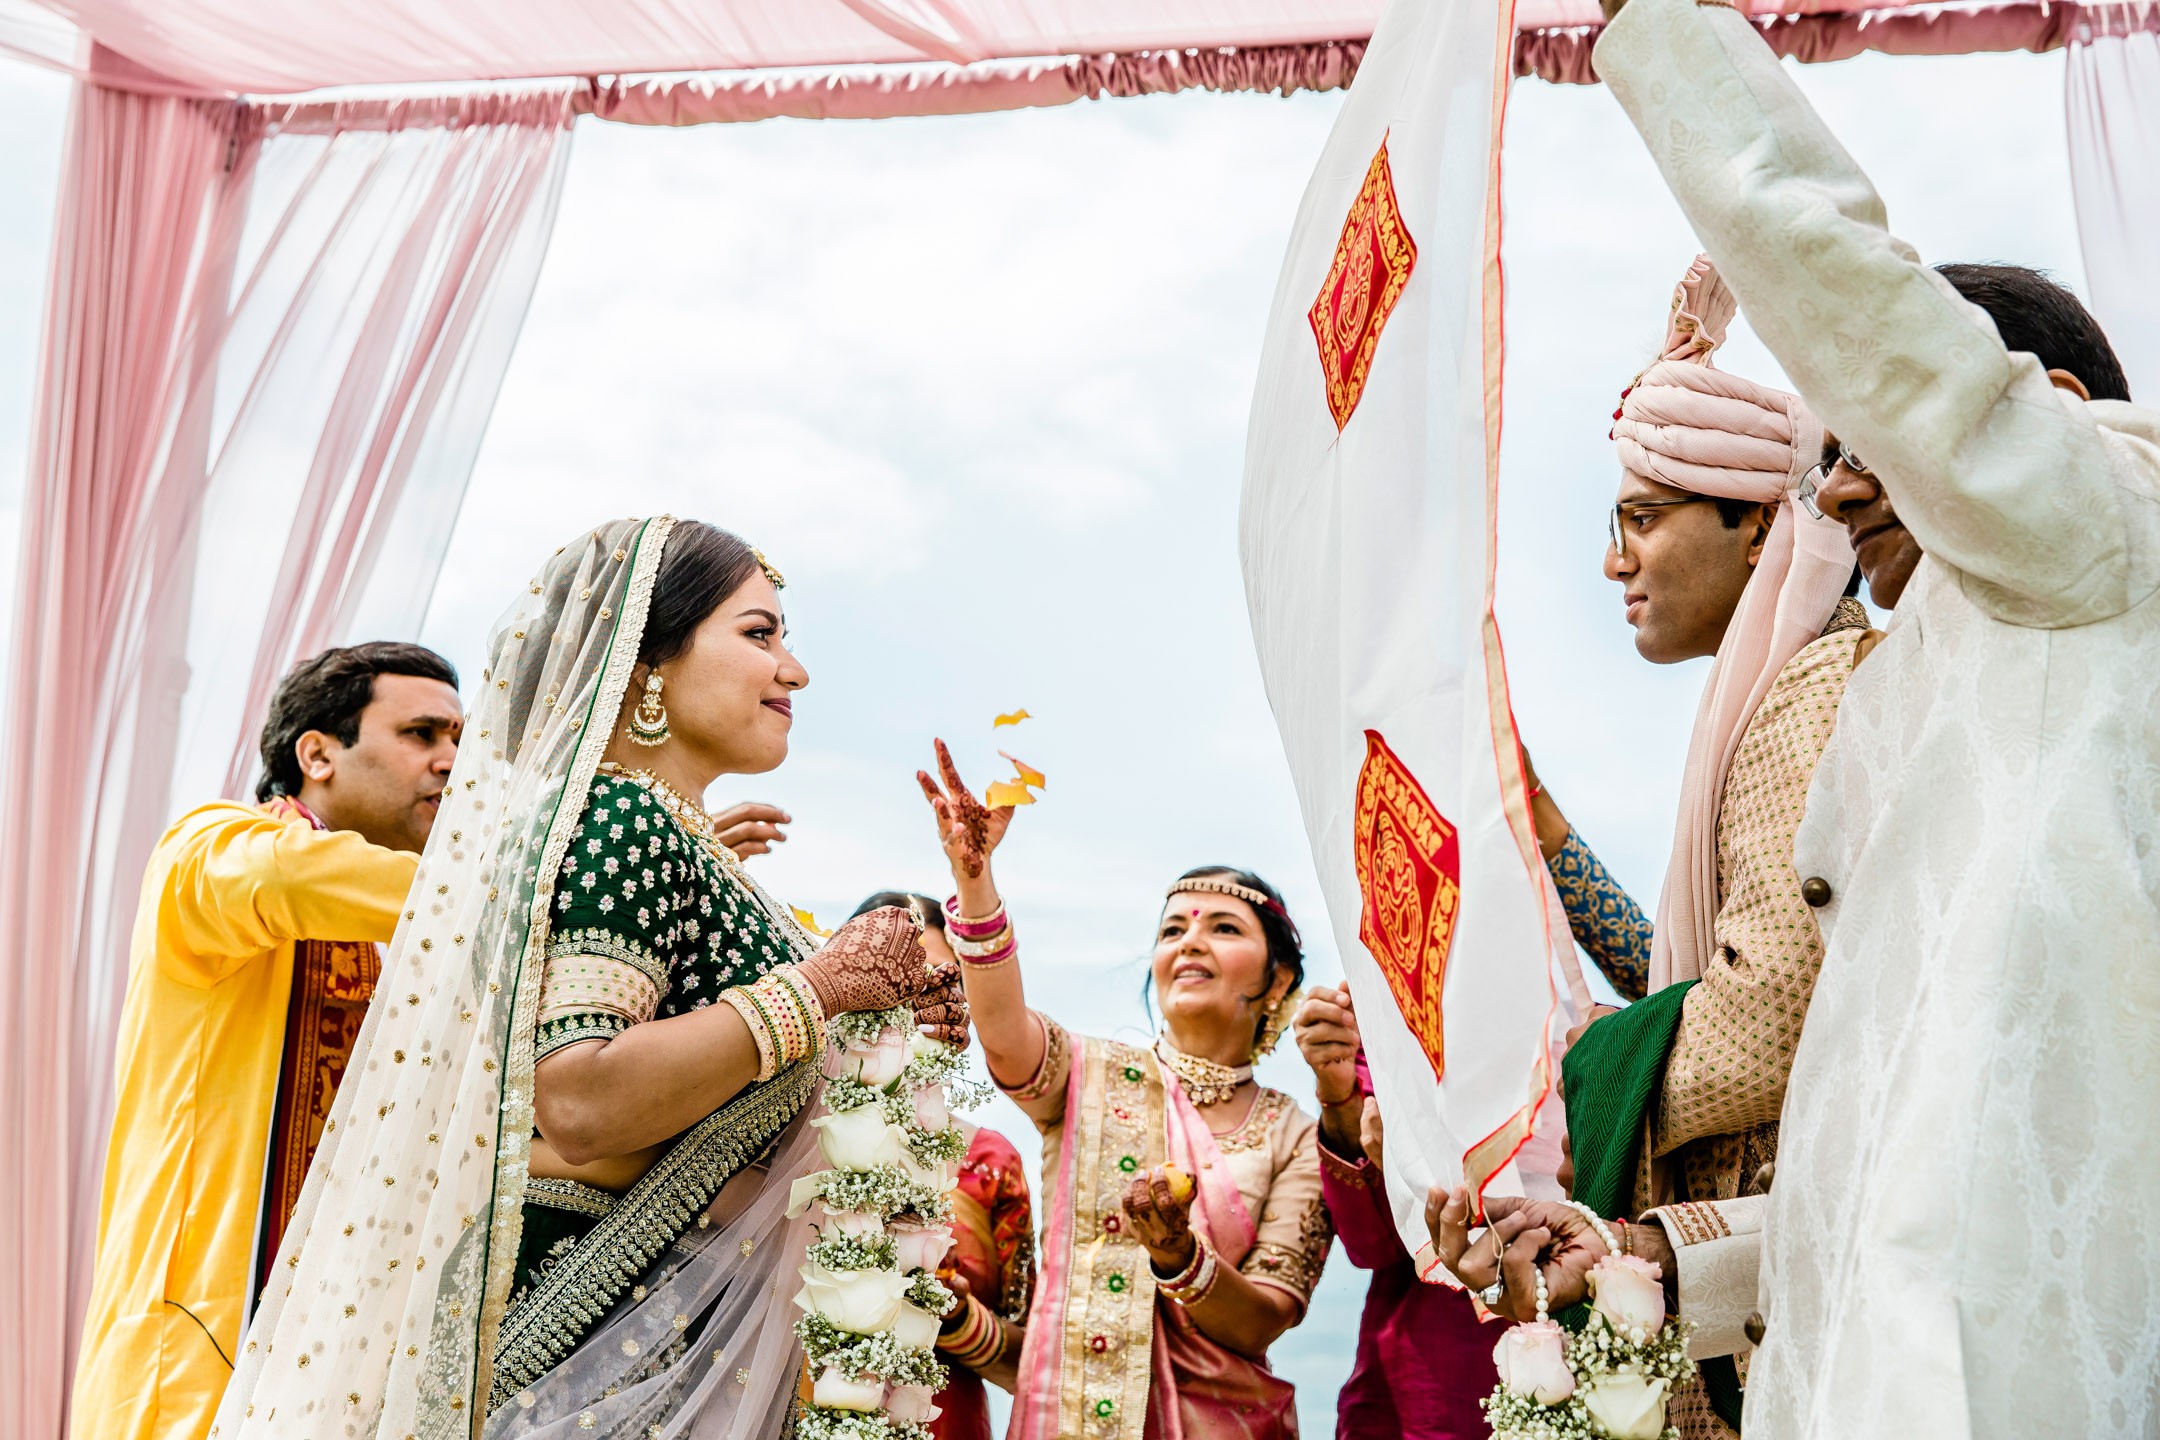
(243, 882)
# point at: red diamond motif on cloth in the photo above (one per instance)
(1410, 875)
(1372, 264)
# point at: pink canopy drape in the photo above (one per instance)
(253, 427)
(2112, 97)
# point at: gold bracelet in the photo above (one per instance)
(743, 1003)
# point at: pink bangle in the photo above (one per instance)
(967, 928)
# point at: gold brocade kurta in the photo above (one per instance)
(1715, 1121)
(229, 891)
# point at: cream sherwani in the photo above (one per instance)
(1964, 1232)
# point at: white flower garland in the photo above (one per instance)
(1610, 1380)
(882, 1221)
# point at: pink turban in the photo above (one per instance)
(1699, 429)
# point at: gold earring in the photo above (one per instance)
(648, 723)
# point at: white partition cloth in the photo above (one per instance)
(1367, 538)
(2112, 95)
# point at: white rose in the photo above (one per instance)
(940, 1177)
(1626, 1406)
(920, 1045)
(861, 1302)
(917, 1329)
(848, 1392)
(861, 1224)
(861, 1139)
(911, 1402)
(931, 1111)
(920, 1247)
(878, 1063)
(1628, 1293)
(1532, 1361)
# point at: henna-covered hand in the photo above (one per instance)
(873, 962)
(968, 829)
(1160, 1220)
(941, 1010)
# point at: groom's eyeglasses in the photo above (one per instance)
(1616, 522)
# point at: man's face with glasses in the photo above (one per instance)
(1680, 567)
(1842, 488)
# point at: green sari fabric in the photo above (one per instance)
(1612, 1078)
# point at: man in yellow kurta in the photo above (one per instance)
(226, 1062)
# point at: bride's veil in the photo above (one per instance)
(395, 1270)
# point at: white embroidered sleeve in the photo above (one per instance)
(1717, 1248)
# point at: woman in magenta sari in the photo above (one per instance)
(1183, 1227)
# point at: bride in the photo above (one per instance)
(551, 1196)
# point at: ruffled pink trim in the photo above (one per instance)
(1562, 54)
(873, 92)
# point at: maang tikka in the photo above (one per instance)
(648, 723)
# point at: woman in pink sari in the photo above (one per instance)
(1183, 1227)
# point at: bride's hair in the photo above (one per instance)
(701, 567)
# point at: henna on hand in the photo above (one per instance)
(942, 1010)
(968, 829)
(1162, 1222)
(873, 962)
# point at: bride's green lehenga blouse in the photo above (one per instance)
(650, 921)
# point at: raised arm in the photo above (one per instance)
(244, 881)
(1997, 473)
(1014, 1040)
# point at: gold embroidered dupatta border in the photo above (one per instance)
(1117, 1109)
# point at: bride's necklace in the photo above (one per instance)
(693, 817)
(1205, 1082)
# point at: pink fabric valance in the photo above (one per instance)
(877, 92)
(280, 47)
(1562, 55)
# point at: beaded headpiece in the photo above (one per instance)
(1255, 898)
(767, 566)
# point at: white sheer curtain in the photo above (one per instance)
(274, 335)
(2112, 94)
(390, 253)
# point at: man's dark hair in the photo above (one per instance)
(328, 693)
(2034, 314)
(1732, 512)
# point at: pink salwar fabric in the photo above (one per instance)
(268, 358)
(1200, 1390)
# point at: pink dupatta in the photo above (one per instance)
(1100, 1344)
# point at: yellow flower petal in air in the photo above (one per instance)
(1026, 773)
(1013, 719)
(1003, 793)
(808, 921)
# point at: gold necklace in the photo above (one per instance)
(692, 817)
(1205, 1082)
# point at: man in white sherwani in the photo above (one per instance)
(1964, 1237)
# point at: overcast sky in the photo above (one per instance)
(978, 385)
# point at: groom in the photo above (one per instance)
(253, 961)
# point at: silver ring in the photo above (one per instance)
(1489, 1297)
